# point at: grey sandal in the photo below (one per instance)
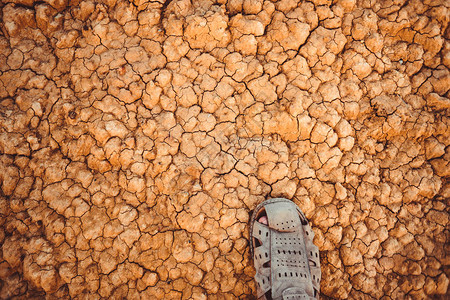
(287, 262)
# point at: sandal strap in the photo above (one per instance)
(261, 255)
(287, 219)
(261, 232)
(295, 293)
(290, 267)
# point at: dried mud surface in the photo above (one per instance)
(137, 136)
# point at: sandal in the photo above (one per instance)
(287, 262)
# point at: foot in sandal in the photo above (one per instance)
(286, 260)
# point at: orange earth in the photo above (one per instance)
(136, 137)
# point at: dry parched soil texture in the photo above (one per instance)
(137, 136)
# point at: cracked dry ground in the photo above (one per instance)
(137, 136)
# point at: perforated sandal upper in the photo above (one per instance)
(284, 256)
